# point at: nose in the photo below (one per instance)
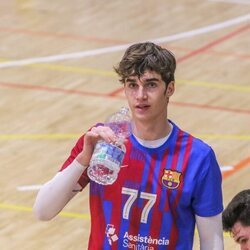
(141, 93)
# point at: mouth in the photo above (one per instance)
(142, 107)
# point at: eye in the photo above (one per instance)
(151, 85)
(132, 85)
(243, 240)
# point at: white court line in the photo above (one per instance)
(232, 1)
(104, 50)
(37, 187)
(29, 188)
(226, 168)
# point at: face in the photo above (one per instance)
(241, 235)
(148, 97)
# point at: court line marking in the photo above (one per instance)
(109, 73)
(26, 188)
(201, 49)
(29, 209)
(75, 69)
(238, 87)
(242, 164)
(36, 187)
(29, 187)
(213, 52)
(61, 214)
(38, 136)
(104, 50)
(247, 2)
(209, 107)
(85, 93)
(75, 136)
(226, 168)
(74, 37)
(213, 43)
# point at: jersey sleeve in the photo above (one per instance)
(84, 179)
(207, 200)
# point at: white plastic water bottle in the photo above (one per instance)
(106, 160)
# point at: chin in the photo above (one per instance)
(142, 117)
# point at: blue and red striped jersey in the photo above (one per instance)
(153, 203)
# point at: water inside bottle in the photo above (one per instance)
(106, 160)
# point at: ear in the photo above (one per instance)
(170, 89)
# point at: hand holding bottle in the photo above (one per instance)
(110, 150)
(91, 137)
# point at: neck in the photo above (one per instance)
(151, 131)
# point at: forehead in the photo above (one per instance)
(147, 75)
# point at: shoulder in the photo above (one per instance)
(201, 147)
(198, 145)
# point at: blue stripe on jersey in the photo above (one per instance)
(181, 153)
(144, 228)
(107, 208)
(156, 172)
(144, 178)
(123, 229)
(167, 221)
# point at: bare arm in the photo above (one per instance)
(210, 232)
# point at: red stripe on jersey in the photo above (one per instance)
(156, 222)
(174, 232)
(136, 215)
(136, 211)
(117, 207)
(97, 234)
(150, 177)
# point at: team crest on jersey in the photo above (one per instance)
(171, 179)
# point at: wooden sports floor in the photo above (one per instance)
(56, 80)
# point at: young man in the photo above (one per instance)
(236, 219)
(172, 180)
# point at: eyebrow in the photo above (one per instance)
(153, 79)
(130, 80)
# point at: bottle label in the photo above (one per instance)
(108, 153)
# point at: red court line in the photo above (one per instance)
(115, 92)
(61, 35)
(213, 52)
(213, 43)
(242, 164)
(80, 92)
(200, 50)
(205, 106)
(105, 40)
(49, 89)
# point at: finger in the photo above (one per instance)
(104, 133)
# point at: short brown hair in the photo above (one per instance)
(238, 210)
(140, 57)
